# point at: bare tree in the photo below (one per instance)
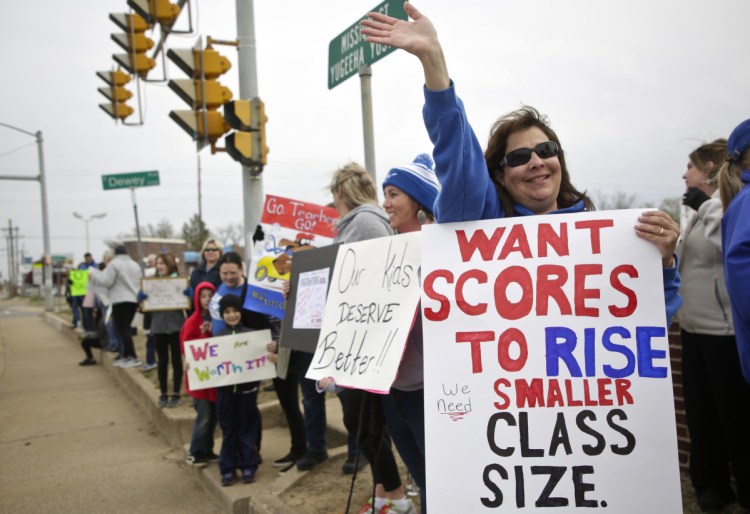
(614, 201)
(162, 230)
(232, 233)
(194, 232)
(672, 207)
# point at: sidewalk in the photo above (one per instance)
(70, 440)
(175, 427)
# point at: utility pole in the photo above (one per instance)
(41, 178)
(12, 264)
(252, 181)
(200, 200)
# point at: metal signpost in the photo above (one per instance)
(131, 181)
(349, 53)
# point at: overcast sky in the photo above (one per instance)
(630, 87)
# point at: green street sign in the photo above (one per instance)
(349, 51)
(130, 180)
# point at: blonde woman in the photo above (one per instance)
(207, 270)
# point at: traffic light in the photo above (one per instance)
(156, 11)
(247, 144)
(134, 42)
(201, 92)
(116, 93)
(204, 126)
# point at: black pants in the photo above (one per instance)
(166, 344)
(88, 343)
(717, 405)
(122, 316)
(363, 415)
(287, 390)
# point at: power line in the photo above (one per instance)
(17, 149)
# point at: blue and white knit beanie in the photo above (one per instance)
(739, 141)
(417, 180)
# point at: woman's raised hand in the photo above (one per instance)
(417, 37)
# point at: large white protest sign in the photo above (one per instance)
(370, 308)
(227, 360)
(547, 375)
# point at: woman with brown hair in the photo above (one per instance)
(522, 172)
(166, 326)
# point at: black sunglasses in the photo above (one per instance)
(523, 155)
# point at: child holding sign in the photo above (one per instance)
(237, 409)
(198, 326)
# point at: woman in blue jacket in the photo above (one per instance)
(734, 186)
(523, 170)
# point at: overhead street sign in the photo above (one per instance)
(130, 180)
(349, 51)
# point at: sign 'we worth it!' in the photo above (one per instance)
(547, 377)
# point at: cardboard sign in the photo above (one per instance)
(305, 306)
(227, 360)
(165, 294)
(289, 227)
(547, 367)
(370, 309)
(79, 280)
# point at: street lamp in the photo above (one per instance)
(86, 221)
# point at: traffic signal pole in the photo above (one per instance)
(252, 179)
(368, 125)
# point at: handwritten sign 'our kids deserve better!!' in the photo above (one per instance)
(371, 304)
(547, 376)
(227, 360)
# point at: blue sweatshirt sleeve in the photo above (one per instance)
(736, 241)
(672, 299)
(468, 193)
(737, 253)
(217, 324)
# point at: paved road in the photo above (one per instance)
(70, 439)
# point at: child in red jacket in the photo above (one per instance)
(198, 326)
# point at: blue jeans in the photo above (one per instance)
(114, 339)
(76, 307)
(404, 417)
(202, 441)
(314, 405)
(150, 352)
(240, 422)
(88, 318)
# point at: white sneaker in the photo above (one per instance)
(132, 363)
(404, 506)
(119, 362)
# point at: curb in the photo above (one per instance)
(176, 425)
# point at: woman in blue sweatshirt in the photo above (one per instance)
(523, 170)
